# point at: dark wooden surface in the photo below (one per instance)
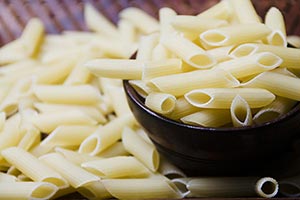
(59, 15)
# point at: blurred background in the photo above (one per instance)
(59, 15)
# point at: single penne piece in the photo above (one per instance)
(284, 71)
(10, 134)
(23, 178)
(63, 192)
(220, 10)
(17, 66)
(275, 21)
(31, 138)
(244, 11)
(294, 40)
(140, 19)
(165, 67)
(169, 170)
(208, 118)
(110, 167)
(20, 89)
(222, 97)
(12, 170)
(221, 54)
(95, 21)
(141, 87)
(127, 31)
(62, 94)
(32, 36)
(7, 178)
(179, 84)
(54, 73)
(290, 56)
(13, 52)
(266, 192)
(240, 111)
(119, 101)
(69, 135)
(141, 188)
(27, 190)
(116, 68)
(195, 25)
(106, 135)
(141, 149)
(234, 34)
(94, 190)
(160, 52)
(162, 103)
(279, 84)
(105, 83)
(249, 65)
(182, 108)
(75, 175)
(75, 157)
(188, 51)
(277, 108)
(48, 122)
(40, 150)
(30, 166)
(290, 186)
(91, 111)
(116, 149)
(146, 45)
(228, 186)
(166, 15)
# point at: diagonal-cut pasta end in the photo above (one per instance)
(244, 50)
(61, 183)
(43, 191)
(277, 38)
(269, 60)
(198, 98)
(213, 38)
(202, 61)
(91, 145)
(266, 187)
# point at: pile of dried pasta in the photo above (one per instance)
(64, 130)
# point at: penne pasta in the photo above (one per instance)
(166, 15)
(165, 67)
(141, 188)
(27, 190)
(160, 52)
(281, 85)
(188, 51)
(2, 120)
(221, 53)
(117, 149)
(208, 118)
(48, 122)
(222, 97)
(31, 138)
(244, 11)
(106, 135)
(95, 21)
(162, 103)
(146, 46)
(169, 170)
(289, 56)
(249, 65)
(275, 21)
(32, 167)
(182, 108)
(13, 52)
(116, 68)
(140, 149)
(240, 111)
(277, 108)
(234, 34)
(195, 25)
(127, 31)
(220, 10)
(7, 178)
(179, 84)
(94, 190)
(289, 186)
(119, 102)
(76, 176)
(140, 19)
(294, 40)
(110, 167)
(141, 87)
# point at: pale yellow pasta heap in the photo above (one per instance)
(64, 130)
(191, 68)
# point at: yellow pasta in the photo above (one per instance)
(281, 85)
(30, 138)
(220, 10)
(240, 111)
(160, 102)
(116, 68)
(188, 51)
(94, 190)
(181, 109)
(166, 15)
(244, 11)
(221, 53)
(111, 168)
(235, 34)
(61, 94)
(179, 84)
(7, 178)
(106, 135)
(141, 149)
(294, 40)
(32, 167)
(146, 45)
(141, 87)
(249, 65)
(76, 176)
(119, 102)
(116, 149)
(208, 118)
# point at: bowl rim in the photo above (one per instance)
(137, 99)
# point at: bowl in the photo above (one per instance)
(265, 149)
